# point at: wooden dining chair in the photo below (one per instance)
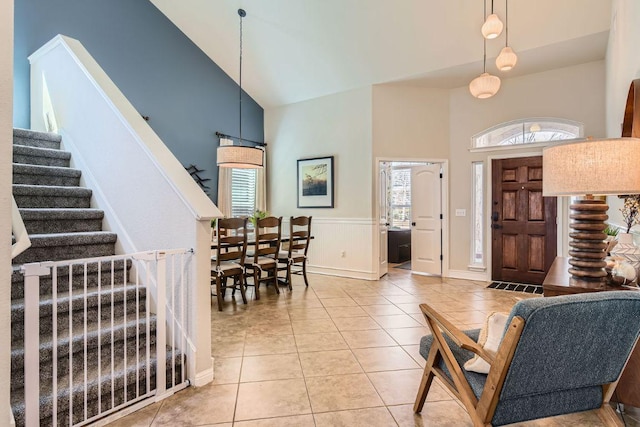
(263, 258)
(229, 258)
(297, 247)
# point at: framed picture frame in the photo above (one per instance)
(315, 182)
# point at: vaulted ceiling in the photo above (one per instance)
(294, 50)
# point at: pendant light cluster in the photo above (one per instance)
(486, 85)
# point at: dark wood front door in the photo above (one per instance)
(523, 222)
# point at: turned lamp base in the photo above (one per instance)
(588, 247)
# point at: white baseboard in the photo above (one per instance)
(123, 412)
(468, 275)
(353, 274)
(204, 377)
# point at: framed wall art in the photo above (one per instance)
(315, 182)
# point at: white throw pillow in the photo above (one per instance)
(490, 338)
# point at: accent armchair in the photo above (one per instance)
(558, 355)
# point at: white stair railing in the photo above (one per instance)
(142, 370)
(116, 149)
(19, 231)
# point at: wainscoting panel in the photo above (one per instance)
(341, 247)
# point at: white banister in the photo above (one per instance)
(32, 273)
(148, 198)
(161, 289)
(52, 105)
(19, 231)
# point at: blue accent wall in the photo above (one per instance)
(158, 68)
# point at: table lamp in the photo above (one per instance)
(588, 168)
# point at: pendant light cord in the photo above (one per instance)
(506, 22)
(484, 60)
(484, 40)
(242, 14)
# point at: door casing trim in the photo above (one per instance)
(445, 207)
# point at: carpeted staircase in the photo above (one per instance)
(108, 323)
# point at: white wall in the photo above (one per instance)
(575, 93)
(6, 149)
(410, 121)
(623, 66)
(623, 60)
(340, 126)
(403, 122)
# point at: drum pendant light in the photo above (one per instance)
(230, 155)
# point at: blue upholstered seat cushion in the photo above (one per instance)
(476, 381)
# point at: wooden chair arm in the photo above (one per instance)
(495, 380)
(458, 337)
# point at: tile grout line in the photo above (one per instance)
(235, 405)
(306, 386)
(360, 364)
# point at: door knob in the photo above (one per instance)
(413, 224)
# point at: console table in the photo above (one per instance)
(559, 282)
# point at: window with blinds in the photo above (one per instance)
(400, 197)
(243, 192)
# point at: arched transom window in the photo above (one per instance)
(528, 131)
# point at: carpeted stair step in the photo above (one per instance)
(24, 154)
(51, 196)
(77, 277)
(101, 382)
(41, 220)
(104, 298)
(101, 320)
(46, 175)
(135, 346)
(62, 246)
(134, 331)
(33, 138)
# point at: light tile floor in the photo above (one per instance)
(342, 352)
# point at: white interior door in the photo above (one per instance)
(426, 219)
(383, 221)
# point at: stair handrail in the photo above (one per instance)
(19, 231)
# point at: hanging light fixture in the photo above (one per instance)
(492, 26)
(239, 156)
(507, 58)
(485, 85)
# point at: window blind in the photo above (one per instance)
(400, 197)
(243, 192)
